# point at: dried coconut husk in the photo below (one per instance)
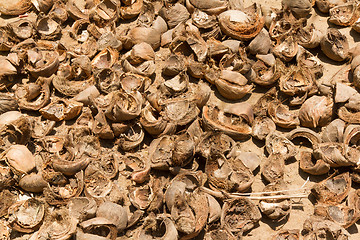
(310, 135)
(14, 129)
(88, 47)
(15, 8)
(240, 215)
(97, 185)
(234, 62)
(282, 25)
(104, 12)
(319, 228)
(7, 103)
(215, 118)
(33, 182)
(275, 209)
(124, 106)
(180, 111)
(262, 127)
(60, 110)
(298, 82)
(27, 216)
(334, 154)
(6, 181)
(59, 224)
(105, 59)
(134, 82)
(342, 215)
(131, 10)
(79, 9)
(265, 75)
(108, 164)
(344, 15)
(306, 59)
(196, 204)
(175, 14)
(20, 159)
(221, 141)
(5, 43)
(349, 115)
(261, 44)
(356, 26)
(141, 196)
(242, 25)
(4, 229)
(188, 205)
(335, 45)
(293, 234)
(139, 164)
(282, 116)
(58, 12)
(277, 143)
(232, 85)
(152, 122)
(173, 65)
(219, 233)
(207, 24)
(62, 193)
(216, 48)
(34, 96)
(274, 168)
(150, 35)
(107, 80)
(156, 229)
(146, 68)
(212, 7)
(82, 208)
(48, 28)
(92, 226)
(76, 162)
(175, 151)
(325, 5)
(227, 174)
(131, 138)
(300, 8)
(333, 132)
(38, 66)
(7, 68)
(316, 111)
(286, 48)
(313, 167)
(113, 212)
(22, 29)
(175, 85)
(308, 37)
(261, 106)
(334, 189)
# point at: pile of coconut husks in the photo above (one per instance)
(136, 119)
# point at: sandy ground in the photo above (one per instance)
(302, 208)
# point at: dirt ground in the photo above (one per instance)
(294, 177)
